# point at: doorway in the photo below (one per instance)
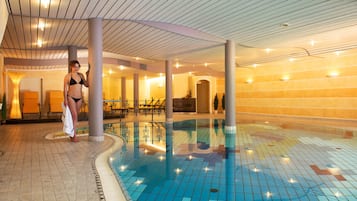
(202, 96)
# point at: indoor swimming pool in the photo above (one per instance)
(195, 160)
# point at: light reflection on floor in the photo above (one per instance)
(196, 160)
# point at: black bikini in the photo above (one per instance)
(73, 82)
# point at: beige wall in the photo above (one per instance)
(52, 80)
(180, 85)
(3, 18)
(309, 91)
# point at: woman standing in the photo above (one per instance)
(72, 92)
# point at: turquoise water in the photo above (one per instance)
(197, 160)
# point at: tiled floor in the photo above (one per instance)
(34, 168)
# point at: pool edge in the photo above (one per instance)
(111, 187)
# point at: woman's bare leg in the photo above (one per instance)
(73, 108)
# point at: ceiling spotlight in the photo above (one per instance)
(333, 74)
(337, 53)
(41, 25)
(45, 3)
(39, 43)
(312, 42)
(206, 64)
(292, 59)
(267, 50)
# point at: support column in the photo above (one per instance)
(230, 86)
(72, 55)
(123, 92)
(2, 76)
(95, 100)
(136, 93)
(168, 88)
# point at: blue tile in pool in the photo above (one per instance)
(196, 160)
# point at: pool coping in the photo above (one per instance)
(112, 188)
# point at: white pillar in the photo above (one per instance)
(230, 86)
(123, 92)
(95, 100)
(2, 76)
(168, 88)
(72, 55)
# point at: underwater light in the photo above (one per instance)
(206, 169)
(161, 158)
(337, 194)
(139, 181)
(249, 150)
(268, 194)
(255, 169)
(122, 167)
(178, 170)
(291, 180)
(285, 158)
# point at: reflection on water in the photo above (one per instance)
(197, 160)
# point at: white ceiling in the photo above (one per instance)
(192, 32)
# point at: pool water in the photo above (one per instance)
(195, 160)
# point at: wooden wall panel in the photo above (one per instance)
(309, 92)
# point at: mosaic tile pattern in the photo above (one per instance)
(268, 162)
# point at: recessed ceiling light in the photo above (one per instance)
(45, 3)
(292, 59)
(333, 74)
(41, 25)
(312, 42)
(267, 50)
(39, 42)
(338, 53)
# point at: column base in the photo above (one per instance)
(96, 138)
(230, 129)
(169, 120)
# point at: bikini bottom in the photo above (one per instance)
(76, 99)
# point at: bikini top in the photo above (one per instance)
(73, 81)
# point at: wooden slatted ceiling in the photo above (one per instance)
(36, 54)
(119, 37)
(254, 23)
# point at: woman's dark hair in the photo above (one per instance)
(74, 62)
